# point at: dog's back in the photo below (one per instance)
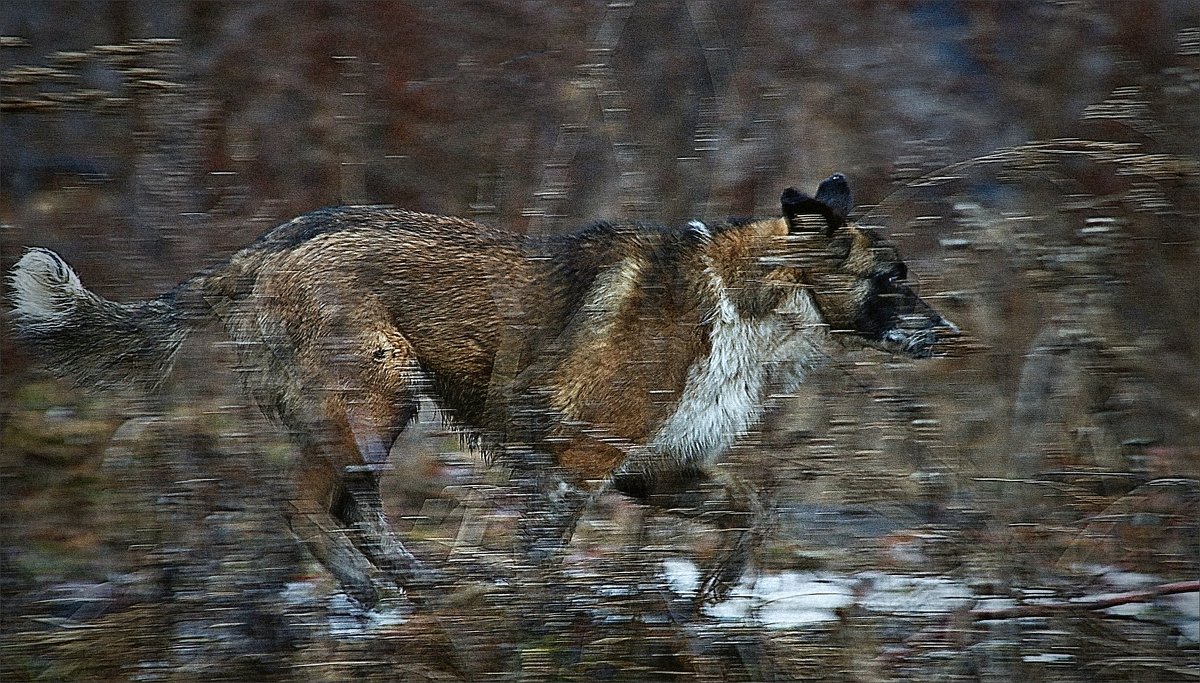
(378, 302)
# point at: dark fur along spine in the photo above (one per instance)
(89, 339)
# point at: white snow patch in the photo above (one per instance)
(783, 600)
(1049, 658)
(797, 599)
(900, 594)
(682, 575)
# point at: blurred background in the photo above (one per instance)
(1036, 162)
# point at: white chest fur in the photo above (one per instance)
(726, 392)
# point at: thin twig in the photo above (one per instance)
(1050, 609)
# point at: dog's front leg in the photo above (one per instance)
(724, 504)
(550, 506)
(740, 517)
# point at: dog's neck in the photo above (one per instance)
(749, 360)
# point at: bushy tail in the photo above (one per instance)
(89, 339)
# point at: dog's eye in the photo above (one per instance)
(893, 274)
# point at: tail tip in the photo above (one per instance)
(43, 285)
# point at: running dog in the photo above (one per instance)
(623, 354)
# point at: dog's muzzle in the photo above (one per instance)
(917, 336)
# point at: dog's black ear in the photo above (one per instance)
(834, 192)
(833, 203)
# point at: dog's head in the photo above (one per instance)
(857, 281)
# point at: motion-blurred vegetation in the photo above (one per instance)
(961, 519)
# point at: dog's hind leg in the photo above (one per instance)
(375, 400)
(326, 536)
(351, 389)
(338, 491)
